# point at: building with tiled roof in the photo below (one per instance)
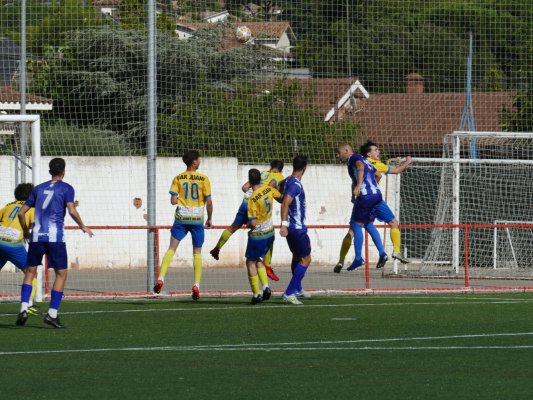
(277, 36)
(415, 123)
(10, 101)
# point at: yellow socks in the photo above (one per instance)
(223, 238)
(263, 278)
(197, 265)
(254, 284)
(167, 258)
(346, 244)
(395, 237)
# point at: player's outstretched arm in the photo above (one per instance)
(76, 217)
(400, 168)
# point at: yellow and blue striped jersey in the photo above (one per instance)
(379, 165)
(192, 189)
(10, 229)
(260, 206)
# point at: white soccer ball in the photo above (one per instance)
(243, 34)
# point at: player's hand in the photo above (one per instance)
(284, 231)
(26, 233)
(87, 231)
(408, 160)
(208, 223)
(356, 191)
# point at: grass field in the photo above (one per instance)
(423, 347)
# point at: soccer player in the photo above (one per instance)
(293, 208)
(12, 237)
(384, 213)
(191, 192)
(366, 198)
(273, 178)
(50, 199)
(261, 234)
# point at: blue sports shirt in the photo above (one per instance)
(293, 187)
(369, 186)
(50, 201)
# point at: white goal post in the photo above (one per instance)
(454, 156)
(35, 121)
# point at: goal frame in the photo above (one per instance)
(456, 161)
(35, 138)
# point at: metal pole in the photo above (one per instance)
(456, 203)
(21, 176)
(151, 142)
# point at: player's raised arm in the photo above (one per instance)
(400, 168)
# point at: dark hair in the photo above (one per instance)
(365, 148)
(299, 163)
(277, 164)
(57, 166)
(189, 156)
(254, 176)
(23, 191)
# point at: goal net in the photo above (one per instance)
(512, 245)
(480, 192)
(123, 88)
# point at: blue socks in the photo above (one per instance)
(358, 240)
(25, 293)
(55, 300)
(374, 234)
(295, 285)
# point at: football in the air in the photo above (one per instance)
(243, 34)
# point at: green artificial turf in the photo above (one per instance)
(423, 347)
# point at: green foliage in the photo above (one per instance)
(61, 138)
(520, 119)
(58, 23)
(251, 125)
(134, 14)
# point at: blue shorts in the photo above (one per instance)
(242, 215)
(15, 253)
(179, 231)
(365, 208)
(257, 248)
(56, 252)
(299, 243)
(384, 213)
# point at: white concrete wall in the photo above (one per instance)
(106, 186)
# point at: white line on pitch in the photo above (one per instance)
(281, 306)
(295, 345)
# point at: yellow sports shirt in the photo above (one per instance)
(260, 206)
(192, 189)
(10, 229)
(379, 165)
